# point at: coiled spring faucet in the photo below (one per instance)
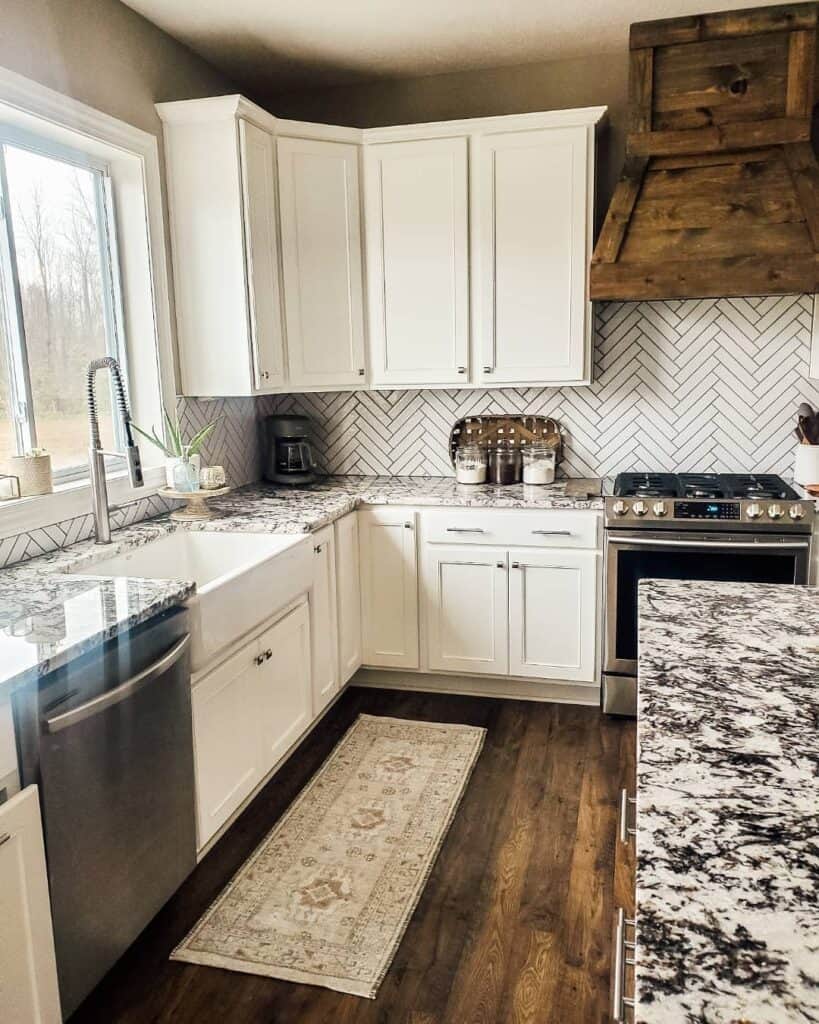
(96, 454)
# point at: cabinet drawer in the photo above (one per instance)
(565, 529)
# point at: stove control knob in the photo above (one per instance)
(658, 508)
(775, 511)
(753, 511)
(639, 508)
(620, 508)
(796, 512)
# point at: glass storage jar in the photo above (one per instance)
(470, 464)
(504, 466)
(538, 464)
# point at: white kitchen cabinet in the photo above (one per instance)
(416, 217)
(348, 590)
(532, 205)
(283, 699)
(389, 587)
(553, 609)
(9, 779)
(226, 750)
(465, 594)
(28, 969)
(321, 262)
(325, 620)
(220, 161)
(247, 713)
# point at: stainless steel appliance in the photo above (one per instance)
(108, 739)
(289, 454)
(705, 526)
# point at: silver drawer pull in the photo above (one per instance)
(620, 1003)
(527, 565)
(464, 529)
(552, 533)
(625, 831)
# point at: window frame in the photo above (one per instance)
(138, 202)
(21, 397)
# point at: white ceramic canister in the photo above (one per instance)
(806, 464)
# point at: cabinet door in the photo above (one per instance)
(348, 589)
(225, 743)
(553, 598)
(415, 198)
(283, 705)
(261, 254)
(532, 208)
(389, 587)
(325, 620)
(465, 600)
(321, 262)
(28, 970)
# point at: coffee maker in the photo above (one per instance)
(289, 457)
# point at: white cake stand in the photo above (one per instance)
(196, 503)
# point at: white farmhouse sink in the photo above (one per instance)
(241, 579)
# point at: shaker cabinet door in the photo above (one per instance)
(321, 263)
(552, 613)
(531, 210)
(416, 213)
(28, 969)
(348, 589)
(325, 620)
(389, 588)
(256, 149)
(465, 598)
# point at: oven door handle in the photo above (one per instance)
(650, 542)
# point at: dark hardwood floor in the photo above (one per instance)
(514, 924)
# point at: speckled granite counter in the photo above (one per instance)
(728, 804)
(46, 617)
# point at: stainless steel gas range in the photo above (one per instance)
(704, 526)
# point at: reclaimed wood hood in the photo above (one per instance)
(720, 190)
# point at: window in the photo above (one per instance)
(60, 302)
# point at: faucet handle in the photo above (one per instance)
(134, 461)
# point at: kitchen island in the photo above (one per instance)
(728, 804)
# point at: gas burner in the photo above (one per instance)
(646, 485)
(701, 485)
(759, 487)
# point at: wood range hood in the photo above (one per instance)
(720, 190)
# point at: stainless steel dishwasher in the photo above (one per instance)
(108, 739)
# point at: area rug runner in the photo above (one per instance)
(328, 894)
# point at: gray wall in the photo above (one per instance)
(583, 82)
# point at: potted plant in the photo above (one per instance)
(181, 457)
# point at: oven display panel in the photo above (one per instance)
(706, 510)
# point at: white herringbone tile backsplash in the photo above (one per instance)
(699, 385)
(707, 385)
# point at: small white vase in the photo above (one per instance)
(806, 464)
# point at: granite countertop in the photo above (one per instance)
(48, 617)
(728, 804)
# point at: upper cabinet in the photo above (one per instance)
(532, 205)
(474, 238)
(222, 198)
(321, 262)
(417, 230)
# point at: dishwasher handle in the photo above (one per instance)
(121, 692)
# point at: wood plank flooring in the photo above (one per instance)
(513, 926)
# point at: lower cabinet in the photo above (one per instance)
(348, 597)
(28, 970)
(389, 587)
(466, 605)
(553, 598)
(246, 713)
(325, 624)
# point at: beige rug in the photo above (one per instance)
(327, 896)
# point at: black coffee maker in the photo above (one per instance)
(289, 456)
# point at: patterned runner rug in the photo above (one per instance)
(327, 896)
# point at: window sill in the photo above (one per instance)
(21, 515)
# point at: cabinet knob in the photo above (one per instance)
(317, 549)
(361, 373)
(501, 565)
(268, 654)
(4, 838)
(259, 659)
(407, 526)
(515, 565)
(487, 369)
(461, 369)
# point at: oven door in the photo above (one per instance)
(633, 556)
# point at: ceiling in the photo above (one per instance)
(268, 46)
